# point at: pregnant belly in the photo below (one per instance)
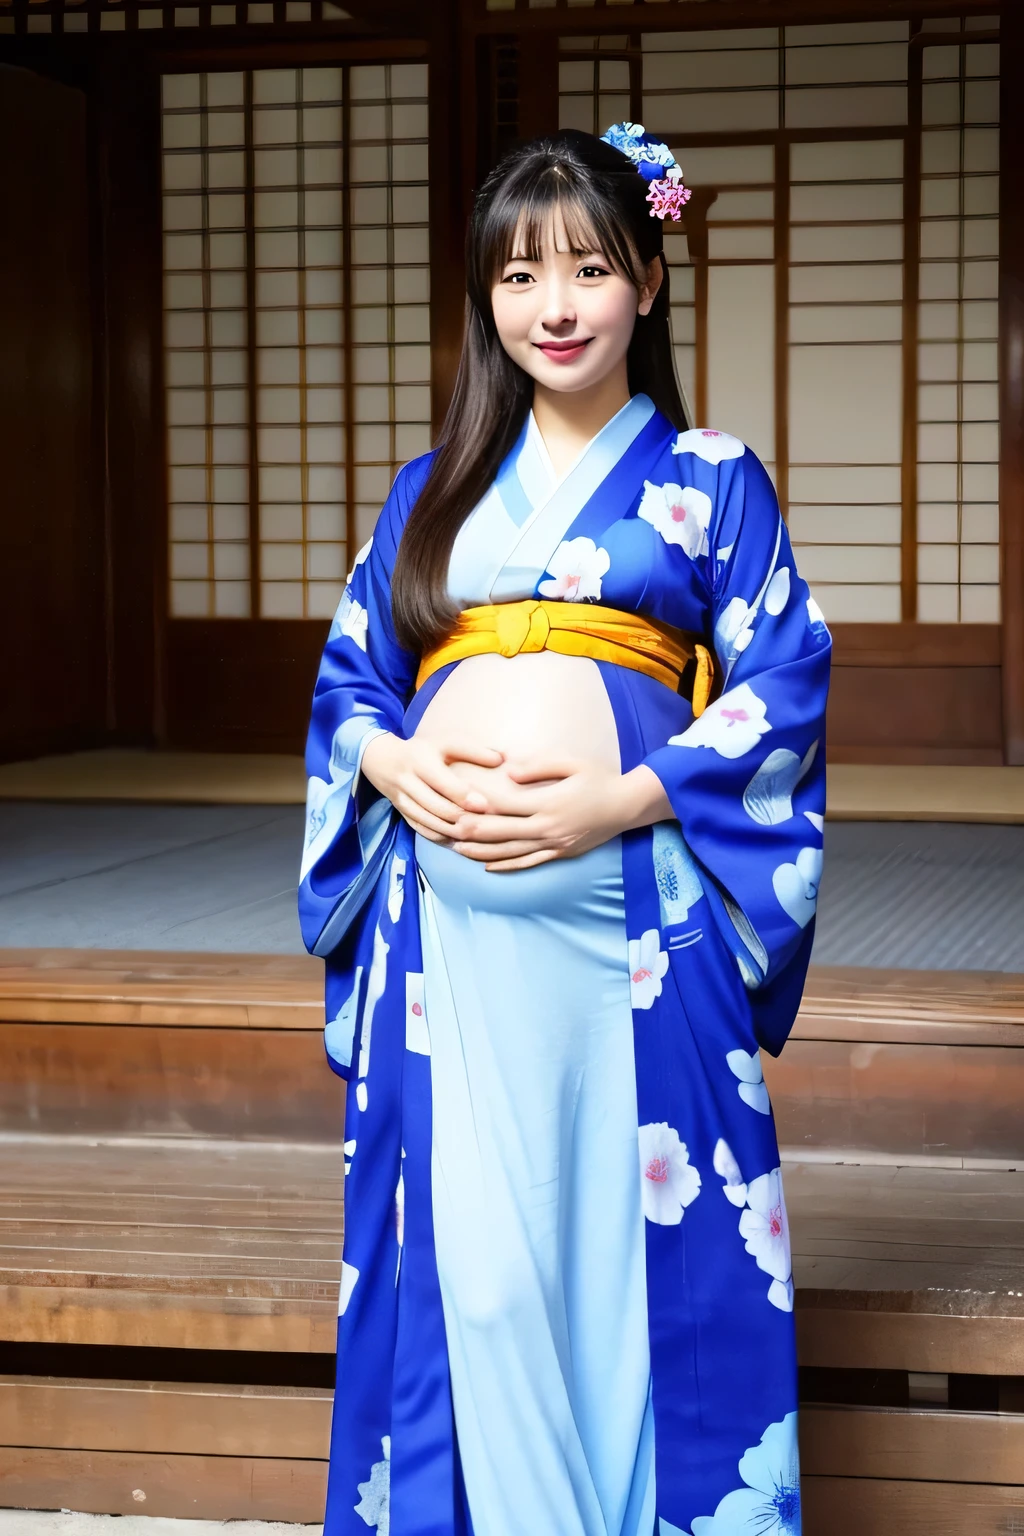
(524, 705)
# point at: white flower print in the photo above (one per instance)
(815, 617)
(733, 632)
(576, 568)
(400, 1220)
(339, 1033)
(668, 1181)
(768, 798)
(681, 514)
(396, 888)
(350, 1152)
(349, 1276)
(777, 595)
(728, 1169)
(648, 963)
(769, 1502)
(731, 726)
(751, 1086)
(375, 1496)
(816, 820)
(374, 992)
(327, 799)
(417, 1038)
(351, 619)
(361, 555)
(709, 445)
(764, 1228)
(679, 886)
(796, 885)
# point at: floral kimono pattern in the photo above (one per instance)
(682, 528)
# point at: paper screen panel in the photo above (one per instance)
(390, 280)
(259, 218)
(958, 430)
(845, 358)
(205, 334)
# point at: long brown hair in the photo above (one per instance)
(603, 202)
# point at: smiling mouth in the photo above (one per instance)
(563, 351)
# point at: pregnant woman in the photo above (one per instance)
(562, 854)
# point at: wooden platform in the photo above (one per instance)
(856, 791)
(171, 1178)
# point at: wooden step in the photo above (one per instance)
(908, 1269)
(926, 1066)
(187, 1245)
(213, 1246)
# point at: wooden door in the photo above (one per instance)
(51, 561)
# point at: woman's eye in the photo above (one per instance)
(591, 271)
(520, 279)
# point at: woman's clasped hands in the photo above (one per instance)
(537, 809)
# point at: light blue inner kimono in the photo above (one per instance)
(699, 928)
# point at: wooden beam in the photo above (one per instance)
(702, 15)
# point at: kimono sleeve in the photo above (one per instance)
(362, 689)
(747, 778)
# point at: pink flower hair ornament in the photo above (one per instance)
(655, 162)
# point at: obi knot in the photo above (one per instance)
(521, 627)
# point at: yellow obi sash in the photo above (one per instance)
(576, 629)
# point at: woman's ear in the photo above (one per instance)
(649, 291)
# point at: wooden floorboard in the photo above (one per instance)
(151, 1483)
(856, 1506)
(913, 1444)
(286, 991)
(166, 1417)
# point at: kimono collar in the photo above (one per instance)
(504, 546)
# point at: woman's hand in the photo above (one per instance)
(588, 804)
(417, 778)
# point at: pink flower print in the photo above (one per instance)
(765, 1230)
(709, 445)
(648, 963)
(731, 726)
(668, 1183)
(681, 514)
(417, 1035)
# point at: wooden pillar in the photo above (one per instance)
(125, 152)
(448, 87)
(1011, 378)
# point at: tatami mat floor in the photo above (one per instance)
(222, 878)
(857, 792)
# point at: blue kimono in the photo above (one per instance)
(715, 910)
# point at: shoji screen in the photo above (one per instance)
(795, 285)
(958, 442)
(297, 341)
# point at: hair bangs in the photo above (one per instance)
(520, 223)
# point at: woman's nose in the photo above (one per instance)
(558, 311)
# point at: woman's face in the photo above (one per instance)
(568, 319)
